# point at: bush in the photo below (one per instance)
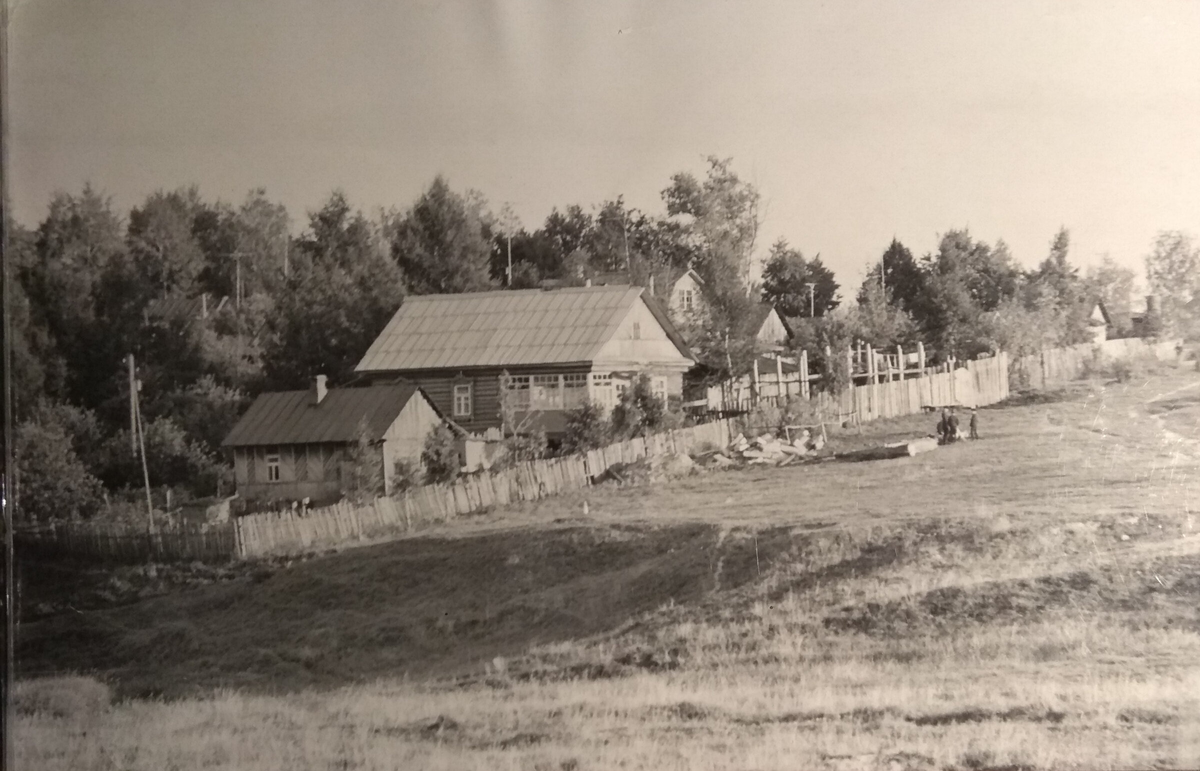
(587, 429)
(639, 412)
(406, 474)
(52, 483)
(440, 456)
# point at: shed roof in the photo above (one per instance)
(506, 328)
(289, 417)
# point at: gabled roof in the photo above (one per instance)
(759, 316)
(506, 328)
(289, 417)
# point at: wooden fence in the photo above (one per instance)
(979, 383)
(289, 533)
(122, 543)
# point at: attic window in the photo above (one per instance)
(685, 299)
(637, 330)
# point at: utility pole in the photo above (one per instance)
(509, 272)
(137, 430)
(812, 301)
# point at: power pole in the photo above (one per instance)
(812, 301)
(509, 273)
(138, 432)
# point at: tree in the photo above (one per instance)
(172, 458)
(796, 286)
(1112, 284)
(903, 281)
(723, 214)
(51, 481)
(165, 251)
(1173, 274)
(587, 428)
(81, 301)
(639, 411)
(567, 231)
(340, 295)
(834, 333)
(365, 462)
(1056, 285)
(879, 322)
(443, 244)
(440, 456)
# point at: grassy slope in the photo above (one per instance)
(1029, 599)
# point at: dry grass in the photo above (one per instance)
(1027, 601)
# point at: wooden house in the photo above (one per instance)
(542, 352)
(293, 445)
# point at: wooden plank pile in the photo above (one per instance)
(766, 449)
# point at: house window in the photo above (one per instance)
(546, 394)
(685, 299)
(272, 466)
(517, 396)
(659, 387)
(463, 402)
(637, 331)
(574, 390)
(602, 389)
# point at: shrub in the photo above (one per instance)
(406, 474)
(587, 428)
(639, 412)
(52, 483)
(440, 456)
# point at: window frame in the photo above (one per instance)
(273, 462)
(456, 394)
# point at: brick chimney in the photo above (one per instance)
(317, 394)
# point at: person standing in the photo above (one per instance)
(974, 423)
(951, 427)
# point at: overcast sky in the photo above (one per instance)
(856, 120)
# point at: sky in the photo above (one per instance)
(857, 121)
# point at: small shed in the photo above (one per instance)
(292, 445)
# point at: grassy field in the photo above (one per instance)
(1030, 600)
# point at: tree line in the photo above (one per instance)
(92, 285)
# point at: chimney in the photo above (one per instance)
(1151, 305)
(651, 284)
(318, 390)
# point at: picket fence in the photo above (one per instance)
(1057, 366)
(979, 383)
(277, 533)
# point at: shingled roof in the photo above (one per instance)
(507, 328)
(290, 417)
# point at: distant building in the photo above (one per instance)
(543, 351)
(771, 330)
(1099, 322)
(292, 445)
(679, 290)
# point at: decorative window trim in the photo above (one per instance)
(274, 464)
(462, 396)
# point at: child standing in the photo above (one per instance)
(974, 424)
